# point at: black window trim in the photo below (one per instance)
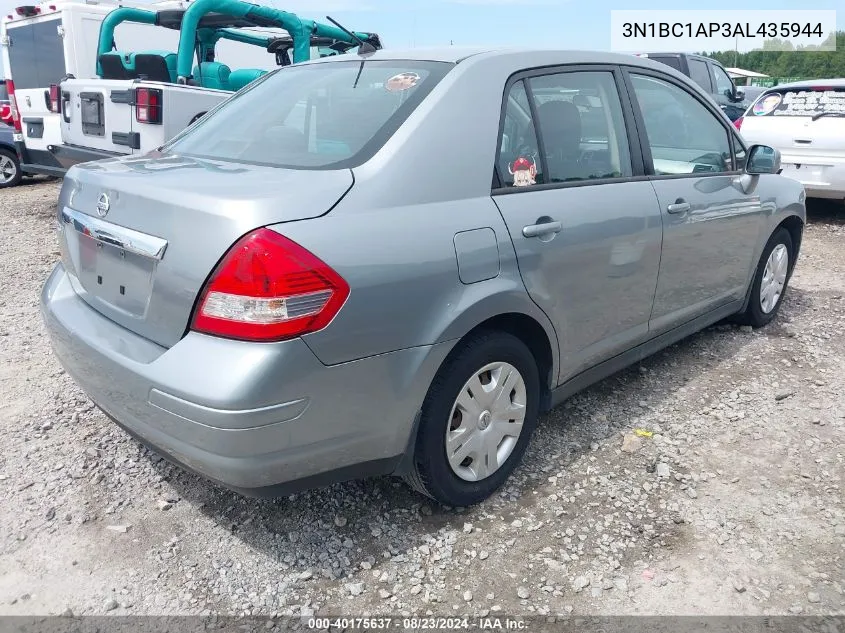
(727, 126)
(628, 119)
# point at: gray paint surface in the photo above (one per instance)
(429, 253)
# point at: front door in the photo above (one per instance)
(710, 224)
(587, 237)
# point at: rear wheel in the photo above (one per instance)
(770, 280)
(477, 419)
(10, 169)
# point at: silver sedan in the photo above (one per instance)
(392, 263)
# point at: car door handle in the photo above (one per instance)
(679, 207)
(538, 230)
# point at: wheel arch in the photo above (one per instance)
(516, 314)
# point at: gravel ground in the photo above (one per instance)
(732, 502)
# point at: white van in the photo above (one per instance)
(44, 43)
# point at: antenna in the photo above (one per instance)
(363, 47)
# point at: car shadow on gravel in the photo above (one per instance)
(385, 519)
(825, 212)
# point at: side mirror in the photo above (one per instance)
(762, 159)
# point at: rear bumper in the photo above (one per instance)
(258, 418)
(69, 155)
(38, 161)
(822, 177)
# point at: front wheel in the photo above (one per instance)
(10, 169)
(477, 420)
(770, 280)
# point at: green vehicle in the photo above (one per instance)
(141, 99)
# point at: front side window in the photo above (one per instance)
(315, 116)
(684, 136)
(723, 83)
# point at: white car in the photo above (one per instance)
(806, 122)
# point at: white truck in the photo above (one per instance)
(142, 99)
(40, 44)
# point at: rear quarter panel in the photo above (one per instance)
(392, 236)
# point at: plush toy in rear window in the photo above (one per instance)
(524, 172)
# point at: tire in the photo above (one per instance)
(10, 169)
(500, 354)
(760, 311)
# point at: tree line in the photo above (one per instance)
(805, 62)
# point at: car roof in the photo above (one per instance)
(457, 54)
(811, 83)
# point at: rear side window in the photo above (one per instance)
(581, 128)
(674, 62)
(36, 55)
(698, 73)
(806, 102)
(315, 116)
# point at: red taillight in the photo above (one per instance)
(148, 105)
(55, 101)
(268, 288)
(738, 123)
(13, 105)
(5, 114)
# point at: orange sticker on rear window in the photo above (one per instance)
(402, 81)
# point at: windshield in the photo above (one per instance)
(806, 102)
(315, 116)
(36, 55)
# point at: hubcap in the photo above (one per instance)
(486, 421)
(8, 170)
(774, 278)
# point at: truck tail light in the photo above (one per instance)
(148, 105)
(268, 288)
(27, 11)
(738, 123)
(13, 104)
(55, 99)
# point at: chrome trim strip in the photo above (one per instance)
(121, 237)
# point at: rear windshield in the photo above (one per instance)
(674, 62)
(806, 102)
(36, 55)
(315, 116)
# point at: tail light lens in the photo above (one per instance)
(738, 123)
(148, 105)
(13, 105)
(55, 100)
(268, 288)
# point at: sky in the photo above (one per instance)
(570, 24)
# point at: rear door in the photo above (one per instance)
(808, 126)
(586, 231)
(36, 59)
(710, 225)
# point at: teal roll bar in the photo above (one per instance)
(300, 30)
(110, 22)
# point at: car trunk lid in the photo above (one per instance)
(140, 244)
(801, 123)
